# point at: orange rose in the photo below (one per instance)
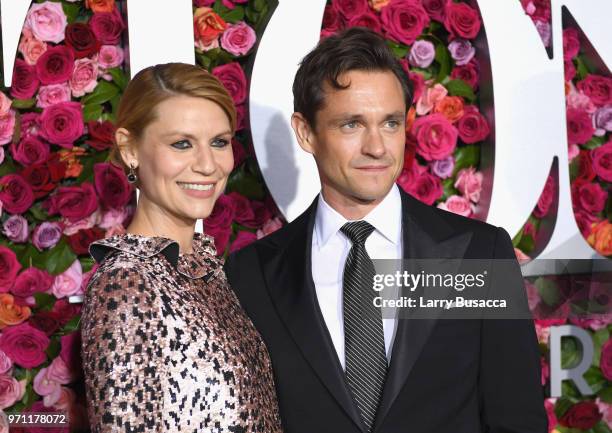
(11, 314)
(69, 156)
(207, 26)
(100, 5)
(377, 5)
(601, 237)
(410, 118)
(450, 107)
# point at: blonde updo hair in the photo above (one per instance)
(155, 84)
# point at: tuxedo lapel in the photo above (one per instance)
(287, 271)
(425, 236)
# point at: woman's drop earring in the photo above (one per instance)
(131, 177)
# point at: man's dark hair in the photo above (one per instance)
(356, 48)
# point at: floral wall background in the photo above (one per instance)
(58, 192)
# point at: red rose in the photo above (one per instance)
(65, 310)
(569, 70)
(579, 126)
(583, 415)
(418, 84)
(332, 20)
(73, 202)
(470, 73)
(436, 9)
(571, 43)
(219, 222)
(9, 267)
(436, 137)
(350, 8)
(367, 19)
(591, 196)
(232, 77)
(546, 199)
(79, 242)
(261, 213)
(101, 134)
(111, 185)
(462, 20)
(25, 81)
(598, 88)
(57, 167)
(62, 123)
(584, 220)
(243, 213)
(30, 150)
(39, 178)
(30, 281)
(82, 40)
(426, 188)
(243, 239)
(605, 362)
(46, 321)
(55, 65)
(16, 194)
(24, 344)
(404, 21)
(602, 161)
(472, 127)
(585, 166)
(107, 26)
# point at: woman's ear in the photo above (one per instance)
(303, 132)
(127, 149)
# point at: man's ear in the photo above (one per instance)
(127, 149)
(303, 132)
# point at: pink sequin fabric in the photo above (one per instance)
(166, 345)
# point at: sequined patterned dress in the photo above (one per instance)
(166, 345)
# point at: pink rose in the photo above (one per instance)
(571, 43)
(243, 239)
(546, 199)
(11, 390)
(31, 48)
(461, 20)
(68, 283)
(598, 88)
(24, 344)
(30, 150)
(5, 104)
(469, 183)
(25, 80)
(46, 235)
(62, 123)
(47, 21)
(16, 194)
(404, 21)
(46, 387)
(16, 229)
(436, 9)
(602, 161)
(457, 204)
(232, 77)
(579, 101)
(55, 65)
(472, 126)
(436, 137)
(521, 257)
(110, 56)
(5, 363)
(31, 281)
(470, 73)
(350, 8)
(113, 217)
(592, 197)
(269, 226)
(59, 372)
(52, 94)
(430, 97)
(73, 202)
(238, 38)
(7, 127)
(30, 124)
(426, 188)
(71, 228)
(84, 77)
(579, 126)
(107, 26)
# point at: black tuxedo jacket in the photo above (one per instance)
(459, 376)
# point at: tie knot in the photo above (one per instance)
(357, 231)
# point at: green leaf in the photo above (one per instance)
(449, 188)
(599, 339)
(30, 396)
(71, 10)
(30, 256)
(606, 394)
(8, 165)
(399, 50)
(44, 301)
(92, 112)
(562, 405)
(59, 258)
(595, 379)
(259, 5)
(87, 263)
(245, 183)
(71, 326)
(444, 60)
(571, 352)
(460, 88)
(38, 212)
(527, 244)
(252, 15)
(594, 142)
(581, 68)
(601, 427)
(22, 104)
(548, 290)
(466, 156)
(233, 15)
(103, 93)
(119, 77)
(517, 239)
(54, 348)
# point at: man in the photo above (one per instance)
(339, 366)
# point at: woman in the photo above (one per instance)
(166, 345)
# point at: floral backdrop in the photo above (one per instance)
(58, 192)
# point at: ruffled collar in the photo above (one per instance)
(196, 264)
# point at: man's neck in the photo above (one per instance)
(351, 208)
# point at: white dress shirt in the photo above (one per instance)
(330, 248)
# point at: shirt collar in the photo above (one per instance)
(386, 218)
